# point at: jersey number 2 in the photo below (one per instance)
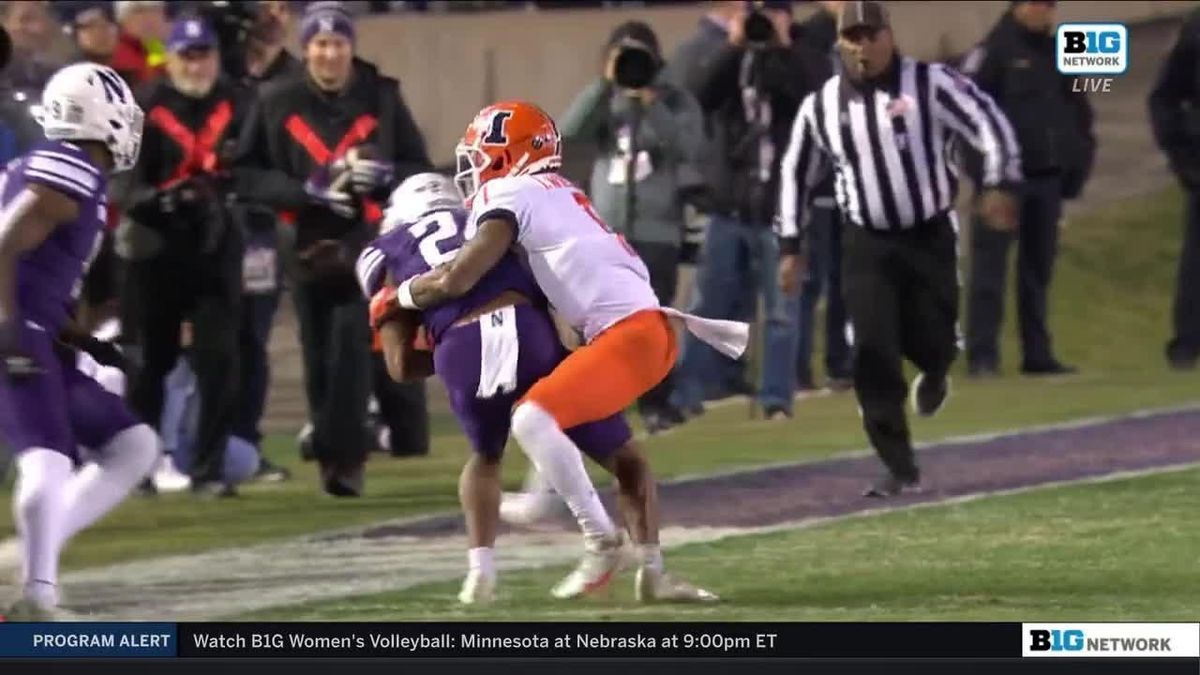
(430, 232)
(586, 204)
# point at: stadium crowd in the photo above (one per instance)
(265, 166)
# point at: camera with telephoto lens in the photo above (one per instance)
(635, 65)
(758, 29)
(234, 23)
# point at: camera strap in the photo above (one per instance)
(756, 106)
(631, 162)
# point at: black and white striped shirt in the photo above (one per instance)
(891, 148)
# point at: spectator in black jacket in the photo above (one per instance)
(326, 149)
(751, 87)
(1175, 114)
(184, 251)
(1015, 65)
(266, 61)
(823, 273)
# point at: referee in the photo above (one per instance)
(887, 127)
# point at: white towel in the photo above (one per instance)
(728, 337)
(498, 352)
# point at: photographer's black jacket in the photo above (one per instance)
(1053, 124)
(785, 75)
(296, 128)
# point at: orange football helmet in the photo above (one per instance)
(511, 138)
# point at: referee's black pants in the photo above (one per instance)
(901, 292)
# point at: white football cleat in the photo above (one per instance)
(655, 586)
(170, 479)
(601, 560)
(477, 589)
(530, 508)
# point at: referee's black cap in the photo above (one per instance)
(863, 13)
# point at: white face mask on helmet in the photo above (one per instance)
(420, 194)
(90, 102)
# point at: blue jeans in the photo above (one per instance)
(824, 275)
(254, 335)
(734, 254)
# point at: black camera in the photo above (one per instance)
(635, 66)
(234, 23)
(758, 29)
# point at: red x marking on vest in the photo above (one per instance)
(199, 148)
(322, 155)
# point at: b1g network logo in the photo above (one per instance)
(1093, 52)
(1098, 639)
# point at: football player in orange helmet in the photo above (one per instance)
(506, 139)
(507, 170)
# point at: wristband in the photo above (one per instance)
(404, 294)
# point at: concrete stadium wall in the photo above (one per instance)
(452, 65)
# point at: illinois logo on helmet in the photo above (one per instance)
(512, 138)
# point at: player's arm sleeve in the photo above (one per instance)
(458, 276)
(504, 201)
(975, 117)
(25, 222)
(804, 165)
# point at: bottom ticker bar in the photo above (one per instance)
(763, 642)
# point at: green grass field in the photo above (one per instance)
(1117, 551)
(1110, 315)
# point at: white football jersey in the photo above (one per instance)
(590, 274)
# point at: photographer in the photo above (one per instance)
(823, 276)
(184, 251)
(325, 148)
(646, 131)
(751, 87)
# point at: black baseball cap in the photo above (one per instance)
(863, 13)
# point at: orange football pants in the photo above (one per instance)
(609, 373)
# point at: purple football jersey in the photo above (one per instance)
(412, 249)
(50, 276)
